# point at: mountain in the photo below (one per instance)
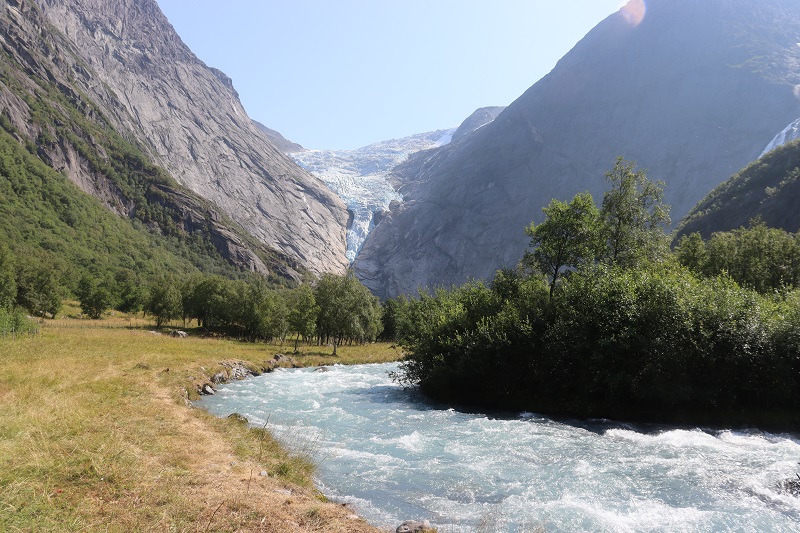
(140, 217)
(692, 92)
(279, 141)
(768, 188)
(126, 58)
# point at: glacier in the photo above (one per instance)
(789, 134)
(360, 177)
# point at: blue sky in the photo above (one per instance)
(341, 74)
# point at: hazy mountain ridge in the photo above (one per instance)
(191, 122)
(692, 111)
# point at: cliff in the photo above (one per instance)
(128, 59)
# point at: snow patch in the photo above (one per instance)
(446, 138)
(789, 134)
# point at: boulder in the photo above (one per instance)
(414, 526)
(178, 334)
(285, 360)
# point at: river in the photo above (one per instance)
(394, 456)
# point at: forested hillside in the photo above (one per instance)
(768, 189)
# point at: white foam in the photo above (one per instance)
(398, 458)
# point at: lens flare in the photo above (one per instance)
(634, 12)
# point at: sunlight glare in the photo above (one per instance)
(634, 12)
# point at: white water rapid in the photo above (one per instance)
(393, 456)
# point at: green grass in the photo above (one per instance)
(96, 434)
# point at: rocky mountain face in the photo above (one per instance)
(692, 92)
(126, 57)
(44, 105)
(768, 188)
(279, 141)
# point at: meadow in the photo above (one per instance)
(97, 432)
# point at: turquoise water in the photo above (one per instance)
(393, 456)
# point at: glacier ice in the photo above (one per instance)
(359, 177)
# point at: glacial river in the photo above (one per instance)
(393, 456)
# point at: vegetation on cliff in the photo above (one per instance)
(768, 189)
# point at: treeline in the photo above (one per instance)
(601, 319)
(761, 258)
(337, 309)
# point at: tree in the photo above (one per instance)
(263, 313)
(38, 289)
(208, 300)
(568, 237)
(130, 290)
(303, 311)
(165, 301)
(95, 298)
(634, 215)
(8, 282)
(347, 310)
(762, 258)
(691, 253)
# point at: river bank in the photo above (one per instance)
(98, 434)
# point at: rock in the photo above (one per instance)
(207, 389)
(285, 360)
(322, 369)
(790, 486)
(239, 418)
(178, 334)
(281, 143)
(190, 120)
(414, 526)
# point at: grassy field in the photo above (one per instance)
(97, 434)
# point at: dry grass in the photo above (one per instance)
(96, 434)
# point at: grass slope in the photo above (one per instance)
(96, 434)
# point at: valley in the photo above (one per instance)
(577, 311)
